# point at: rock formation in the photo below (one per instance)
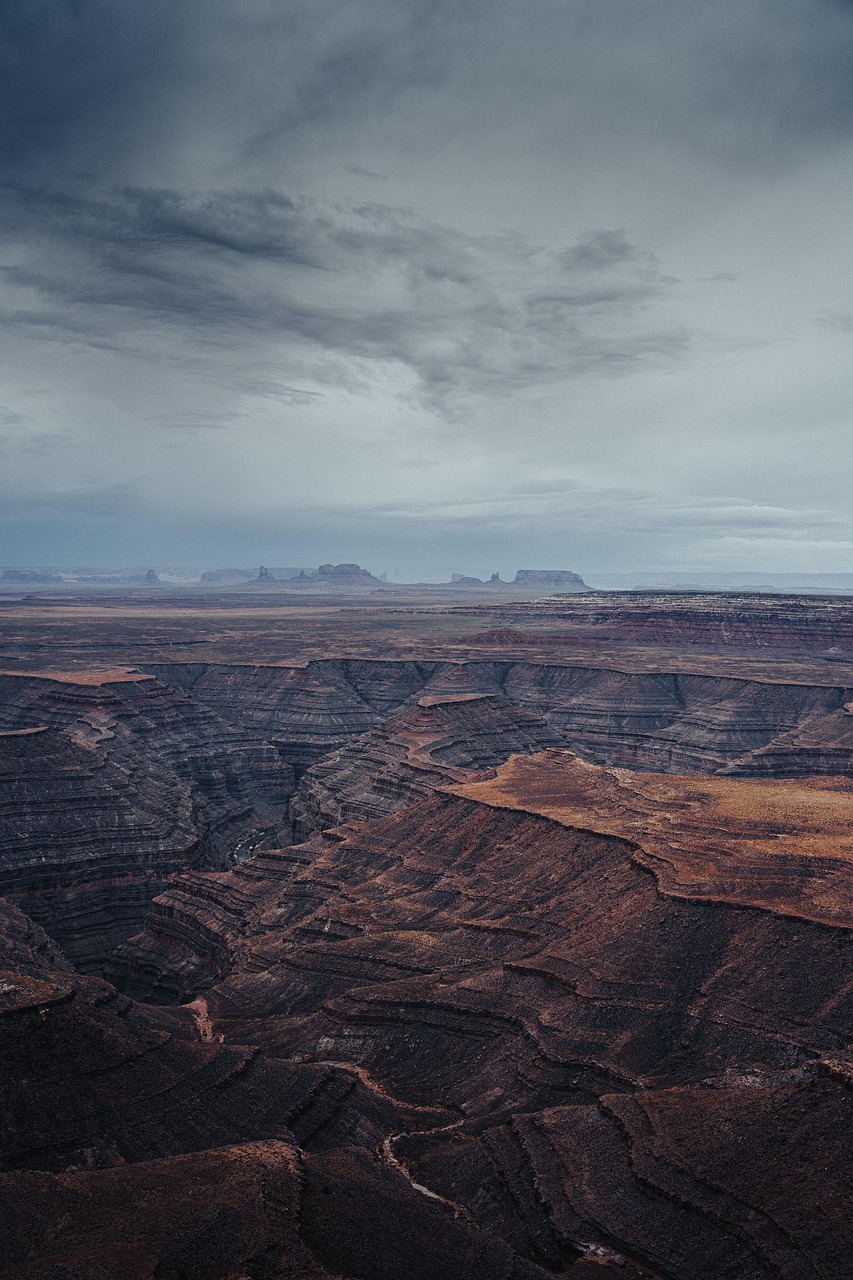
(656, 719)
(639, 1057)
(485, 958)
(548, 580)
(110, 783)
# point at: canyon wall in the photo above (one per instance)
(499, 962)
(113, 782)
(612, 1062)
(111, 785)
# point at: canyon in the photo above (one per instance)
(396, 937)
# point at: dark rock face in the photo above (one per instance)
(441, 739)
(131, 1147)
(655, 720)
(122, 783)
(86, 841)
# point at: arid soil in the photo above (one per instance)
(396, 939)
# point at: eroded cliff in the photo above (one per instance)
(538, 959)
(110, 783)
(556, 977)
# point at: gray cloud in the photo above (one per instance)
(90, 502)
(840, 321)
(520, 339)
(465, 314)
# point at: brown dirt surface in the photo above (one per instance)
(91, 677)
(800, 640)
(783, 844)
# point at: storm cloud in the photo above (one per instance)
(424, 283)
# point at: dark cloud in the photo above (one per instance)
(522, 335)
(464, 314)
(74, 71)
(95, 85)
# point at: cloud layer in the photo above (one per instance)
(565, 280)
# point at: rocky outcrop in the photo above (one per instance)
(86, 840)
(641, 1057)
(656, 720)
(441, 739)
(152, 775)
(549, 580)
(306, 711)
(109, 786)
(782, 845)
(132, 1147)
(260, 1209)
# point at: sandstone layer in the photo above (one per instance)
(507, 958)
(110, 782)
(601, 1039)
(134, 1148)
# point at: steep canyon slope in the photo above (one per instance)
(499, 945)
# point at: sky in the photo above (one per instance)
(432, 285)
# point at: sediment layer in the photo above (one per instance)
(125, 782)
(588, 1011)
(608, 1039)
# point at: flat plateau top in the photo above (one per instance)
(92, 677)
(769, 639)
(785, 845)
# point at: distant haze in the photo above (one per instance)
(434, 287)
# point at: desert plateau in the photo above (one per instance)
(394, 936)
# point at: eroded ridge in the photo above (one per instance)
(125, 782)
(486, 1019)
(607, 1069)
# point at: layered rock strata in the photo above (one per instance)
(664, 721)
(633, 998)
(712, 620)
(148, 776)
(441, 739)
(562, 1017)
(132, 1148)
(108, 786)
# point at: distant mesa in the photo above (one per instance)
(351, 577)
(550, 580)
(29, 575)
(543, 581)
(246, 578)
(265, 578)
(328, 576)
(346, 575)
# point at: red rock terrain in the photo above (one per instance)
(551, 971)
